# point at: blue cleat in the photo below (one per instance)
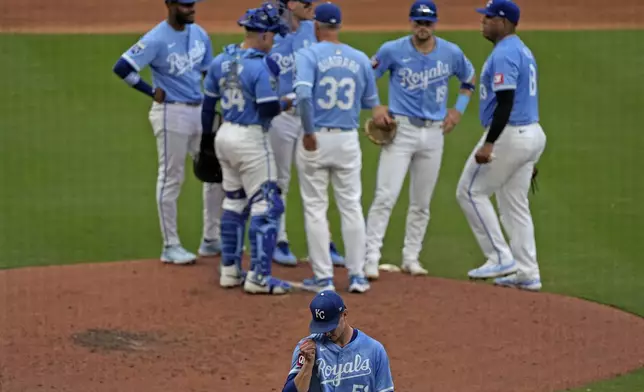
(283, 255)
(336, 258)
(358, 284)
(317, 285)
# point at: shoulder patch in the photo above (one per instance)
(137, 48)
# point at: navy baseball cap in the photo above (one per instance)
(328, 13)
(326, 309)
(423, 10)
(501, 8)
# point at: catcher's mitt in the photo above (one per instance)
(207, 168)
(205, 164)
(381, 135)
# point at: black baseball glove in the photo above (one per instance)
(205, 164)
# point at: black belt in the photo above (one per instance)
(183, 103)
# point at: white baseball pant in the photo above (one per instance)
(283, 135)
(338, 158)
(177, 128)
(508, 176)
(247, 162)
(419, 150)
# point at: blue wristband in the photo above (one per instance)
(462, 102)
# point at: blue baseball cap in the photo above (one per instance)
(423, 10)
(326, 309)
(328, 13)
(501, 8)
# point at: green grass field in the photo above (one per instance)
(78, 165)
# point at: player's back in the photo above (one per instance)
(283, 52)
(237, 72)
(339, 85)
(511, 65)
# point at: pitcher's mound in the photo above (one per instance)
(143, 326)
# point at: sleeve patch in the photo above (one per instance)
(300, 361)
(498, 78)
(137, 48)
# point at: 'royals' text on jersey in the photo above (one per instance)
(284, 50)
(242, 80)
(360, 366)
(176, 59)
(342, 83)
(510, 66)
(418, 83)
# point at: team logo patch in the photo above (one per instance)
(137, 48)
(374, 62)
(498, 78)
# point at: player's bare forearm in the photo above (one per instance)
(303, 378)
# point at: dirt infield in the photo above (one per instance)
(143, 326)
(378, 15)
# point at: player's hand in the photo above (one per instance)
(485, 153)
(159, 95)
(308, 350)
(381, 116)
(451, 120)
(289, 101)
(310, 142)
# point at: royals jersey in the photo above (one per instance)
(360, 366)
(176, 58)
(242, 79)
(510, 66)
(284, 50)
(341, 83)
(418, 85)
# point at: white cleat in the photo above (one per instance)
(176, 254)
(371, 270)
(492, 269)
(414, 269)
(230, 276)
(518, 283)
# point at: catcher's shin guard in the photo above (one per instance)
(233, 229)
(264, 228)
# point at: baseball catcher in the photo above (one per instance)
(205, 164)
(380, 134)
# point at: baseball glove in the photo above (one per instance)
(205, 164)
(380, 135)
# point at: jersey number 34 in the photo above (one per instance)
(334, 98)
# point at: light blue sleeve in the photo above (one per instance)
(265, 84)
(297, 360)
(304, 74)
(211, 83)
(370, 98)
(506, 71)
(381, 62)
(464, 70)
(142, 53)
(305, 37)
(384, 381)
(207, 58)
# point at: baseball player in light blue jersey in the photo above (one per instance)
(337, 357)
(333, 83)
(420, 66)
(287, 127)
(178, 52)
(245, 80)
(503, 161)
